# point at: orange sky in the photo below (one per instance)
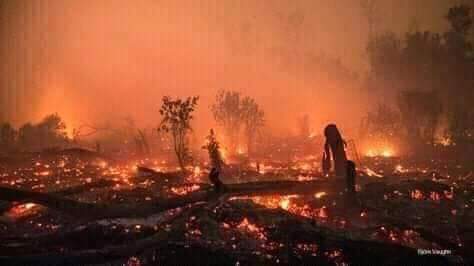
(108, 59)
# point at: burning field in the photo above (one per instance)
(76, 207)
(236, 132)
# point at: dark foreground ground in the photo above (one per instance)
(402, 212)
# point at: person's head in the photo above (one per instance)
(332, 133)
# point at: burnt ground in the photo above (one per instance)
(402, 211)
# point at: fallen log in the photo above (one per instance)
(168, 177)
(102, 183)
(104, 255)
(89, 211)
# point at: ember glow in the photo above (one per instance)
(23, 210)
(183, 190)
(320, 194)
(251, 228)
(383, 152)
(236, 132)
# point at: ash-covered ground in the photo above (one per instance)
(402, 212)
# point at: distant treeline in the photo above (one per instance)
(49, 133)
(431, 76)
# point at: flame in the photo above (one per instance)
(285, 203)
(416, 194)
(385, 151)
(240, 151)
(319, 195)
(445, 141)
(183, 190)
(23, 210)
(399, 169)
(223, 154)
(42, 173)
(322, 212)
(262, 169)
(103, 164)
(371, 172)
(252, 228)
(197, 171)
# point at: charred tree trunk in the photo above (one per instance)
(90, 211)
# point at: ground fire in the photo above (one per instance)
(236, 133)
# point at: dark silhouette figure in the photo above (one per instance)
(214, 178)
(350, 177)
(335, 145)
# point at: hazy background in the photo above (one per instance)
(98, 61)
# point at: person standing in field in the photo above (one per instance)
(335, 148)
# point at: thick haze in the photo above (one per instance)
(98, 61)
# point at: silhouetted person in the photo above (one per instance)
(214, 178)
(350, 177)
(335, 146)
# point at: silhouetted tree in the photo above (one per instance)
(142, 141)
(382, 124)
(176, 120)
(213, 149)
(420, 113)
(53, 129)
(253, 119)
(384, 53)
(49, 133)
(227, 113)
(437, 71)
(460, 63)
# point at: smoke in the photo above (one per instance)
(101, 61)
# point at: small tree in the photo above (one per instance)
(227, 113)
(49, 133)
(53, 129)
(141, 141)
(176, 119)
(213, 149)
(253, 119)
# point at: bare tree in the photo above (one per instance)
(176, 120)
(227, 113)
(141, 142)
(253, 119)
